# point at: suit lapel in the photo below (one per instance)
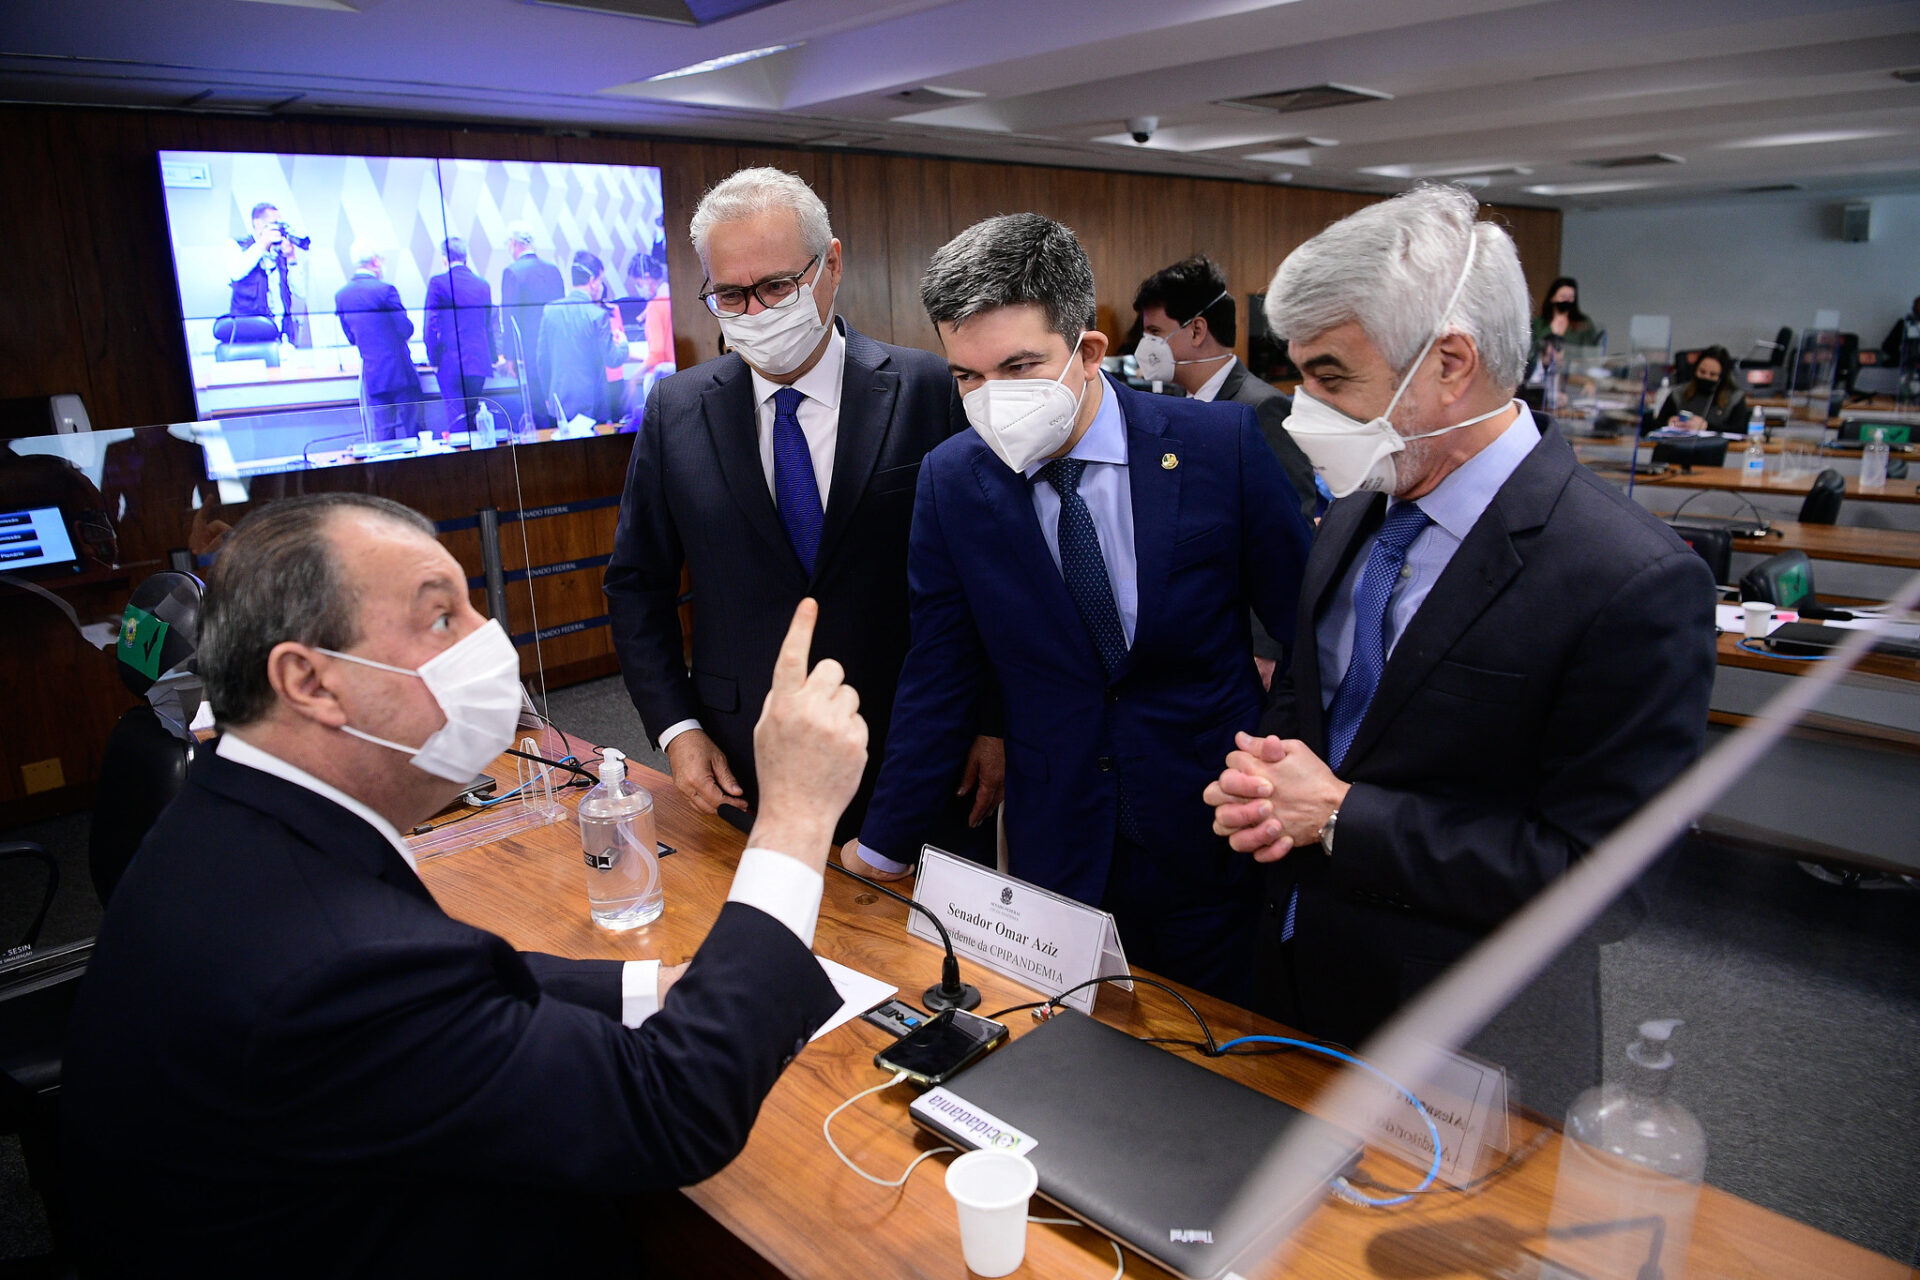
(1230, 388)
(1155, 490)
(733, 425)
(1347, 524)
(1010, 501)
(1479, 571)
(868, 391)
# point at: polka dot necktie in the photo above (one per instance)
(795, 488)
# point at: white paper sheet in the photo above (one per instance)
(858, 993)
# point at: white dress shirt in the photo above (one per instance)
(1210, 389)
(783, 887)
(819, 415)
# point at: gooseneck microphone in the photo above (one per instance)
(949, 992)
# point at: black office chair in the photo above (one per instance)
(1824, 498)
(1714, 545)
(143, 767)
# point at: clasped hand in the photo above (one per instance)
(1273, 795)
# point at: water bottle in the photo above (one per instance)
(1755, 470)
(481, 437)
(623, 861)
(1873, 461)
(1631, 1162)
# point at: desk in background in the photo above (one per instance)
(786, 1207)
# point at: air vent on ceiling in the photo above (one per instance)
(843, 139)
(1311, 98)
(933, 95)
(1771, 187)
(1632, 162)
(255, 101)
(686, 13)
(1910, 74)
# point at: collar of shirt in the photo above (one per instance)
(1457, 502)
(1106, 437)
(820, 383)
(232, 748)
(1210, 389)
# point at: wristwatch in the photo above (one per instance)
(1326, 833)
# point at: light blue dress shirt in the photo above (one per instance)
(1455, 506)
(1109, 497)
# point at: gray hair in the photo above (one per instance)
(275, 580)
(521, 233)
(364, 253)
(752, 192)
(1391, 267)
(455, 248)
(1014, 260)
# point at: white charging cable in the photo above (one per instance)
(826, 1130)
(1119, 1259)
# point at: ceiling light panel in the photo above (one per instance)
(723, 62)
(1812, 137)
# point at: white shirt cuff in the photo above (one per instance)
(675, 730)
(639, 991)
(879, 863)
(783, 887)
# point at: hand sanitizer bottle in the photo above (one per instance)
(623, 861)
(481, 437)
(1755, 470)
(1631, 1161)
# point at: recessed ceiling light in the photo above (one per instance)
(1489, 169)
(729, 60)
(1586, 188)
(1811, 138)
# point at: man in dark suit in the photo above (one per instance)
(579, 343)
(285, 1049)
(785, 468)
(460, 336)
(1197, 353)
(1499, 657)
(1095, 551)
(527, 284)
(376, 321)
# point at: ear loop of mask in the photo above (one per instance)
(362, 734)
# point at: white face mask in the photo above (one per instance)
(1025, 419)
(477, 684)
(777, 340)
(1154, 355)
(1354, 456)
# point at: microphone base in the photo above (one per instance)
(937, 998)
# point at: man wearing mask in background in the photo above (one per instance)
(1094, 551)
(783, 469)
(578, 344)
(1197, 352)
(340, 1075)
(1499, 656)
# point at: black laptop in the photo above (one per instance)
(1141, 1144)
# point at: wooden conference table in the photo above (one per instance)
(1733, 478)
(786, 1207)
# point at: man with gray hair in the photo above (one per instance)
(783, 469)
(284, 1048)
(527, 284)
(376, 321)
(1093, 551)
(1499, 656)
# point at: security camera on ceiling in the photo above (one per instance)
(1142, 127)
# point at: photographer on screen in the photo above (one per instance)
(257, 274)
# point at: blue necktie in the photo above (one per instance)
(1085, 570)
(1362, 677)
(795, 488)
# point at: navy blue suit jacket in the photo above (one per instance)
(284, 1050)
(376, 321)
(1216, 529)
(697, 495)
(459, 326)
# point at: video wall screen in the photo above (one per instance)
(419, 299)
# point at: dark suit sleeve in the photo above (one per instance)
(935, 708)
(402, 322)
(643, 585)
(425, 1058)
(1273, 535)
(1273, 413)
(543, 353)
(592, 984)
(1630, 714)
(438, 300)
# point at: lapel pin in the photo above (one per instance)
(1168, 461)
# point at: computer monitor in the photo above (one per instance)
(35, 538)
(1707, 451)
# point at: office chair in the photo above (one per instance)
(1824, 498)
(1712, 544)
(143, 767)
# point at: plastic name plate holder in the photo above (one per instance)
(528, 804)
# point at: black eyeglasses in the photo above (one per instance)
(774, 292)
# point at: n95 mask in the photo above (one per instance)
(1352, 456)
(476, 682)
(1153, 355)
(1025, 419)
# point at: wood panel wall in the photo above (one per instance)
(91, 306)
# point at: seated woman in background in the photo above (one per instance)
(1711, 400)
(1561, 321)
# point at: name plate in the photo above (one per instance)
(1467, 1100)
(1038, 938)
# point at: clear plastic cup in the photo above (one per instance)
(990, 1190)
